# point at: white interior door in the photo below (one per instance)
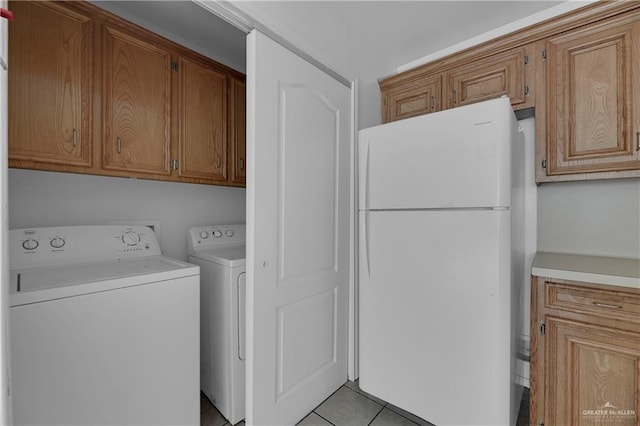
(298, 148)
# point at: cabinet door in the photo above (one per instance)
(50, 84)
(408, 99)
(237, 130)
(137, 90)
(494, 76)
(203, 122)
(592, 374)
(592, 99)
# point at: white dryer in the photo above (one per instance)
(220, 253)
(103, 328)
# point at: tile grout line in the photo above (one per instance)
(326, 420)
(377, 414)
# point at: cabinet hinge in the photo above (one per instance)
(544, 54)
(173, 164)
(174, 66)
(543, 329)
(526, 59)
(526, 90)
(544, 163)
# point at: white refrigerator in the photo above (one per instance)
(441, 263)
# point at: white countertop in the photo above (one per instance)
(591, 269)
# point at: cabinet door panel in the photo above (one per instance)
(237, 130)
(501, 74)
(591, 85)
(136, 104)
(418, 97)
(203, 122)
(50, 87)
(592, 374)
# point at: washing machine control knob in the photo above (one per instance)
(204, 234)
(229, 233)
(57, 242)
(30, 244)
(131, 238)
(217, 234)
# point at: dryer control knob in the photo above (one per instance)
(204, 234)
(131, 238)
(57, 242)
(229, 233)
(30, 244)
(217, 234)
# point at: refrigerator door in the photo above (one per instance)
(435, 313)
(449, 159)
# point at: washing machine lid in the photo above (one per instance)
(55, 282)
(230, 256)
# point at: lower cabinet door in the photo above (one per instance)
(592, 374)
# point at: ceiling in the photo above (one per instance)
(358, 39)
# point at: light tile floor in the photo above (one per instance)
(350, 406)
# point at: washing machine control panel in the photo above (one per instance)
(216, 235)
(36, 247)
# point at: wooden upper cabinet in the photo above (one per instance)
(137, 99)
(237, 132)
(488, 78)
(592, 99)
(50, 85)
(418, 96)
(203, 121)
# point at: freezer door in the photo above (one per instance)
(434, 313)
(454, 158)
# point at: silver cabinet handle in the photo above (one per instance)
(75, 137)
(119, 145)
(242, 164)
(218, 160)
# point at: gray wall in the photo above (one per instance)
(592, 217)
(39, 198)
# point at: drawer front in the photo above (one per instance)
(613, 303)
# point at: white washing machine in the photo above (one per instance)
(103, 328)
(220, 253)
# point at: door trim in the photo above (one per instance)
(242, 17)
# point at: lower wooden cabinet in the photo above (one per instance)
(585, 359)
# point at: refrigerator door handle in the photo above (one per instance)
(366, 243)
(367, 179)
